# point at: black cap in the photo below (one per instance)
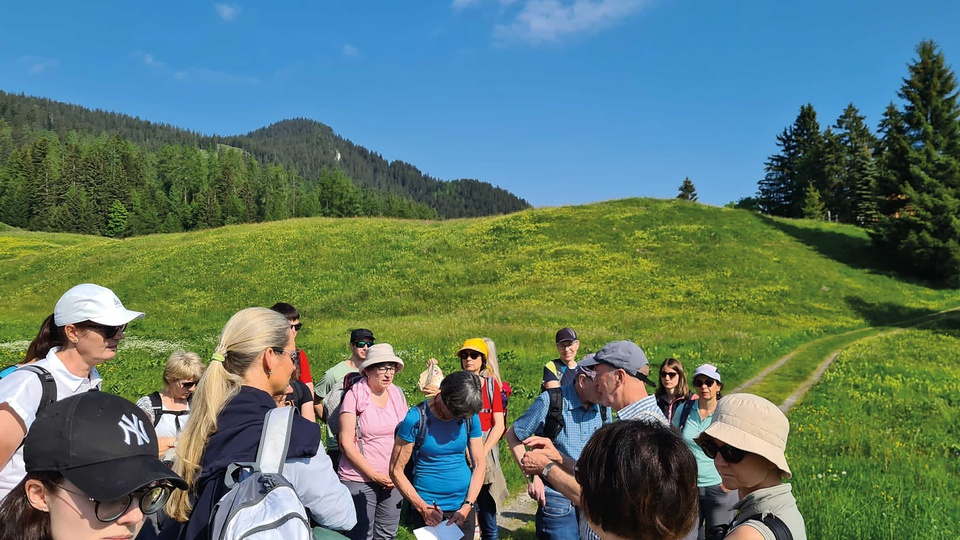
(360, 334)
(566, 334)
(102, 443)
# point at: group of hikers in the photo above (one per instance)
(603, 457)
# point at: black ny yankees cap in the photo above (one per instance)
(102, 443)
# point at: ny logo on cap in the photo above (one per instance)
(133, 425)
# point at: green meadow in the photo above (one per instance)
(700, 283)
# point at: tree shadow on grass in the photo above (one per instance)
(855, 252)
(880, 314)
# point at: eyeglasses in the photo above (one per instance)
(668, 374)
(731, 454)
(386, 368)
(297, 326)
(704, 382)
(470, 354)
(294, 354)
(363, 344)
(565, 344)
(108, 332)
(150, 500)
(187, 385)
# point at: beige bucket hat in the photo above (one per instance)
(752, 424)
(381, 353)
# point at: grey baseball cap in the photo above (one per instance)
(625, 355)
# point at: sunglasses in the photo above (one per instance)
(108, 332)
(297, 326)
(668, 374)
(294, 354)
(704, 382)
(150, 500)
(731, 454)
(473, 355)
(362, 344)
(187, 385)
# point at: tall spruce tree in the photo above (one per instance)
(851, 169)
(799, 163)
(919, 226)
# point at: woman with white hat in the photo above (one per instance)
(715, 501)
(92, 472)
(83, 331)
(747, 440)
(369, 414)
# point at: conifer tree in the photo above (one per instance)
(813, 207)
(800, 162)
(919, 226)
(117, 220)
(688, 192)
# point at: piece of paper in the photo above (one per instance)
(443, 531)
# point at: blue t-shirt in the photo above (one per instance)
(443, 475)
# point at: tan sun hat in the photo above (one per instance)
(381, 353)
(752, 424)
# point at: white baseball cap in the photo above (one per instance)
(89, 302)
(709, 370)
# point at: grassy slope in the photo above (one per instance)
(696, 282)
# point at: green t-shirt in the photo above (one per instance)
(332, 379)
(707, 474)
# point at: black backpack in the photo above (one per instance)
(421, 435)
(157, 405)
(553, 424)
(776, 525)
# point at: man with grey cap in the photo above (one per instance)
(570, 427)
(620, 371)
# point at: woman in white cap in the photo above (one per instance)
(92, 472)
(747, 440)
(84, 330)
(716, 502)
(369, 414)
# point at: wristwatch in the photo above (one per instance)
(546, 469)
(469, 503)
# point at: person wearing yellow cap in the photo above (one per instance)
(474, 355)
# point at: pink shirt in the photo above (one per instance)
(377, 426)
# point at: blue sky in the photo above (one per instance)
(558, 101)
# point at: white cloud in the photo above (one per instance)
(201, 74)
(542, 21)
(37, 64)
(350, 51)
(227, 12)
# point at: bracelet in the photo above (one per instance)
(469, 503)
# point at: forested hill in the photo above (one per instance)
(304, 146)
(309, 146)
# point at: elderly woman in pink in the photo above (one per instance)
(370, 412)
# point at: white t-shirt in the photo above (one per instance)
(170, 425)
(22, 390)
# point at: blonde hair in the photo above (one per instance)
(182, 365)
(493, 367)
(245, 337)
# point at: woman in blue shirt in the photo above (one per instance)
(442, 485)
(716, 503)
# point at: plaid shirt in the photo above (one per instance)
(645, 409)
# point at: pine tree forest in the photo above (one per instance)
(902, 184)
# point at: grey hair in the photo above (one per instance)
(461, 392)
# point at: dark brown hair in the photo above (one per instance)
(638, 480)
(49, 336)
(19, 520)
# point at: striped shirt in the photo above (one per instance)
(645, 409)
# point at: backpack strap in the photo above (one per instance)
(553, 423)
(603, 414)
(420, 436)
(157, 405)
(776, 525)
(685, 410)
(488, 383)
(275, 440)
(48, 384)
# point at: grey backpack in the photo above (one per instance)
(261, 503)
